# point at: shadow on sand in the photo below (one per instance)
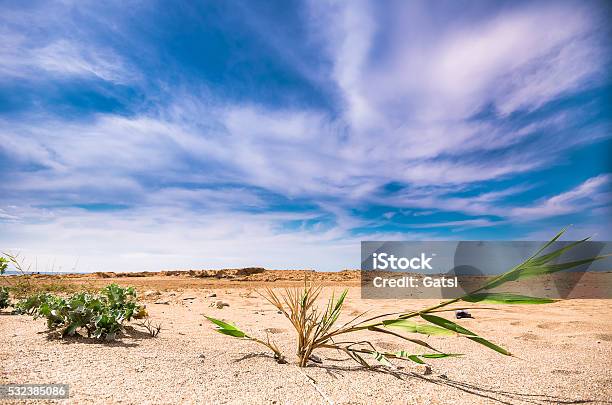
(128, 338)
(490, 394)
(494, 395)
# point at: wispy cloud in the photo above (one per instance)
(593, 193)
(449, 113)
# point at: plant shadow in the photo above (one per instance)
(128, 338)
(253, 356)
(489, 394)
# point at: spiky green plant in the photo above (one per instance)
(316, 328)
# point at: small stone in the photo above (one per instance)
(425, 369)
(189, 298)
(151, 293)
(213, 295)
(462, 313)
(220, 304)
(162, 302)
(202, 356)
(279, 312)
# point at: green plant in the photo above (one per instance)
(5, 301)
(316, 328)
(4, 291)
(102, 316)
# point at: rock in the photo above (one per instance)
(162, 302)
(213, 295)
(220, 304)
(315, 358)
(151, 293)
(202, 356)
(189, 298)
(462, 313)
(424, 369)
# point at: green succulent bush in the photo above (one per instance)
(102, 316)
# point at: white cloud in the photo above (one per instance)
(594, 192)
(173, 238)
(49, 41)
(407, 86)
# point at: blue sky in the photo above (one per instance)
(142, 135)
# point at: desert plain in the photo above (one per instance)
(562, 351)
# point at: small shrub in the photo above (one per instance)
(102, 316)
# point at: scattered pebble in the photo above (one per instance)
(220, 304)
(462, 313)
(424, 369)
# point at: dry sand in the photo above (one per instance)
(564, 354)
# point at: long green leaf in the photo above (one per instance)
(417, 358)
(550, 242)
(538, 264)
(446, 324)
(553, 255)
(506, 298)
(439, 355)
(490, 345)
(221, 324)
(226, 328)
(232, 332)
(413, 327)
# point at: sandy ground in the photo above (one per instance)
(564, 356)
